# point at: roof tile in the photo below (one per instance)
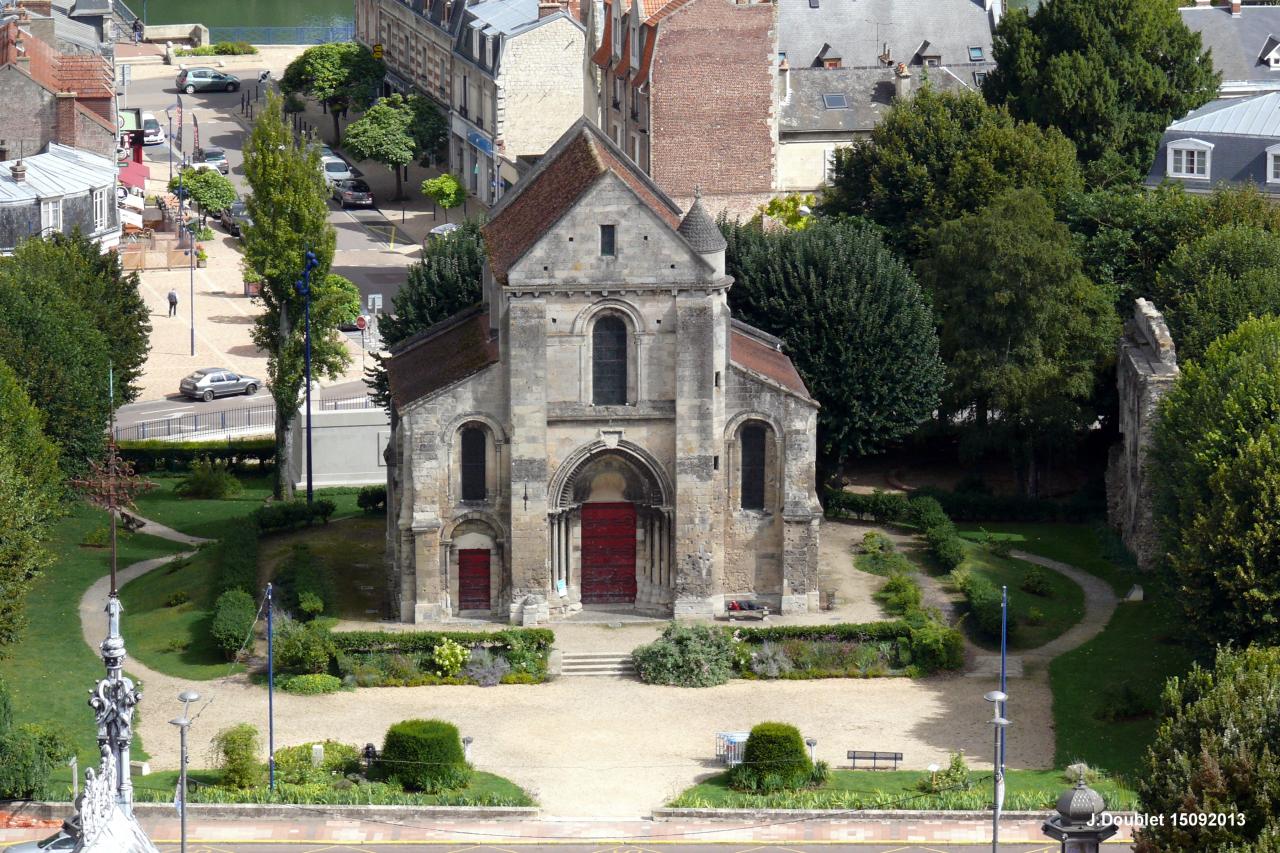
(441, 355)
(749, 349)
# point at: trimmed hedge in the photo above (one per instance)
(309, 684)
(236, 560)
(287, 515)
(934, 646)
(540, 639)
(774, 759)
(234, 614)
(372, 498)
(424, 755)
(884, 507)
(881, 507)
(154, 455)
(984, 602)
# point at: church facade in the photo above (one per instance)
(599, 432)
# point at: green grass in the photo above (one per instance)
(51, 669)
(1092, 547)
(1061, 608)
(896, 789)
(352, 549)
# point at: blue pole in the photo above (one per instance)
(1004, 648)
(271, 687)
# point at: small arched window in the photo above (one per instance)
(473, 463)
(609, 362)
(753, 456)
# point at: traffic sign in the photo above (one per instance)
(362, 322)
(377, 51)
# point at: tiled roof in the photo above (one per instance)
(441, 355)
(564, 173)
(760, 352)
(699, 229)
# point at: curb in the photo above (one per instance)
(852, 815)
(46, 811)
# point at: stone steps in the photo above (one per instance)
(598, 664)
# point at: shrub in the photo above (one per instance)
(984, 604)
(237, 748)
(1035, 582)
(53, 742)
(926, 512)
(900, 595)
(24, 770)
(449, 657)
(179, 597)
(770, 661)
(302, 648)
(233, 48)
(885, 563)
(310, 684)
(158, 455)
(294, 767)
(774, 758)
(687, 656)
(372, 498)
(304, 574)
(424, 755)
(1035, 616)
(878, 506)
(973, 506)
(234, 614)
(875, 543)
(945, 545)
(287, 515)
(486, 668)
(935, 646)
(955, 777)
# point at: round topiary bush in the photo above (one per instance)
(775, 758)
(424, 755)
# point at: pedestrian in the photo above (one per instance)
(137, 30)
(173, 303)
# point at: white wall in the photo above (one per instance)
(348, 448)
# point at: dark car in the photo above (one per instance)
(352, 191)
(236, 218)
(212, 158)
(213, 382)
(191, 80)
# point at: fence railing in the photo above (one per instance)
(245, 420)
(284, 35)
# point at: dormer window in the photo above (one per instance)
(1189, 158)
(1270, 54)
(1273, 164)
(635, 47)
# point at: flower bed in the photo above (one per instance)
(411, 659)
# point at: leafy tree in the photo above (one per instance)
(430, 130)
(1215, 753)
(1110, 74)
(383, 134)
(98, 285)
(290, 218)
(786, 209)
(208, 188)
(446, 191)
(340, 75)
(343, 294)
(1209, 285)
(938, 155)
(1023, 330)
(446, 281)
(858, 327)
(1215, 466)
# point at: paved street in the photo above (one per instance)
(174, 406)
(640, 847)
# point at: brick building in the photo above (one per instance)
(686, 89)
(599, 431)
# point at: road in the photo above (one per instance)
(175, 406)
(195, 846)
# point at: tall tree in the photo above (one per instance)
(1110, 74)
(1023, 330)
(444, 282)
(446, 191)
(384, 134)
(1215, 465)
(938, 155)
(430, 130)
(290, 218)
(856, 323)
(340, 75)
(208, 188)
(95, 281)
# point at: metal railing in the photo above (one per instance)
(284, 35)
(242, 421)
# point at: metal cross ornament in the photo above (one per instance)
(112, 485)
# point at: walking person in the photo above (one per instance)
(137, 30)
(173, 303)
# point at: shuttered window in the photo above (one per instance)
(609, 362)
(473, 463)
(753, 466)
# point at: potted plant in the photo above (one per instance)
(202, 259)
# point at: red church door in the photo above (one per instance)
(473, 579)
(608, 553)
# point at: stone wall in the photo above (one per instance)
(1146, 369)
(540, 86)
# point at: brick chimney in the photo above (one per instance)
(549, 7)
(43, 8)
(1235, 8)
(64, 132)
(19, 170)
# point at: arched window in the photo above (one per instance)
(473, 456)
(753, 455)
(609, 362)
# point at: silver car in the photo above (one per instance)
(58, 841)
(336, 169)
(213, 382)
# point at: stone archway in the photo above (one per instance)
(610, 529)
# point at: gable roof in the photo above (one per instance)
(441, 355)
(760, 352)
(1237, 42)
(1256, 116)
(571, 166)
(60, 170)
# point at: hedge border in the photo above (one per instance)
(157, 455)
(424, 641)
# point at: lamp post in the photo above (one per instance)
(304, 289)
(183, 723)
(998, 724)
(1076, 824)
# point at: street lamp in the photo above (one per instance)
(1076, 824)
(186, 697)
(998, 724)
(304, 289)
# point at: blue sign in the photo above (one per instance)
(479, 141)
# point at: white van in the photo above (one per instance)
(152, 132)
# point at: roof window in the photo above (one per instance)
(975, 54)
(835, 102)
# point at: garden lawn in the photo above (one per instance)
(352, 549)
(896, 789)
(50, 669)
(1060, 609)
(1092, 547)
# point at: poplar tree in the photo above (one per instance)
(290, 218)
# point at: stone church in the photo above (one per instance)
(599, 432)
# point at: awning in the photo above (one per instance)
(134, 175)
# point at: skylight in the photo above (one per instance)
(975, 54)
(835, 102)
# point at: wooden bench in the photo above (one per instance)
(856, 755)
(746, 610)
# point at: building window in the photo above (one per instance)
(975, 54)
(473, 472)
(609, 362)
(980, 78)
(1188, 163)
(50, 215)
(1273, 168)
(99, 210)
(608, 240)
(753, 455)
(829, 167)
(933, 61)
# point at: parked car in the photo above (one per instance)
(192, 80)
(212, 158)
(213, 382)
(152, 132)
(336, 169)
(60, 840)
(353, 191)
(236, 218)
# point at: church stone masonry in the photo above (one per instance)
(599, 432)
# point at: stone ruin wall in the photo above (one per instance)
(1145, 371)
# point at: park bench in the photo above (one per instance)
(877, 759)
(742, 609)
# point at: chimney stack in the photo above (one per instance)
(64, 127)
(901, 82)
(548, 7)
(19, 171)
(1235, 8)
